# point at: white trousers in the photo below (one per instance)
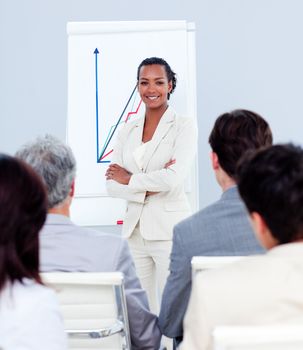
(152, 263)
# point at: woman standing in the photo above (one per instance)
(151, 159)
(29, 312)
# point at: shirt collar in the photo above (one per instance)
(289, 250)
(57, 219)
(231, 193)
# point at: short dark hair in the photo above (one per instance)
(171, 75)
(271, 184)
(236, 132)
(23, 208)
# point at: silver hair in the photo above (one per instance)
(54, 161)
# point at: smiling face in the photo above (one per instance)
(153, 86)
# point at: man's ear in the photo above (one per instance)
(214, 160)
(262, 231)
(257, 223)
(72, 189)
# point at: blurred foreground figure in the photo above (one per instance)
(265, 289)
(29, 312)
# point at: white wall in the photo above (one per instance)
(249, 55)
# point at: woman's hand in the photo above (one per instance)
(121, 175)
(168, 164)
(117, 173)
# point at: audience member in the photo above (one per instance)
(68, 247)
(29, 312)
(220, 229)
(265, 289)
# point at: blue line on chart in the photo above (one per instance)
(96, 52)
(115, 127)
(111, 128)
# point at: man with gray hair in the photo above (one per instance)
(65, 246)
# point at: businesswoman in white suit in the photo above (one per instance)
(151, 159)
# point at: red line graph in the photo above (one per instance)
(135, 112)
(107, 154)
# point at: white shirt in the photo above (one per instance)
(30, 318)
(139, 153)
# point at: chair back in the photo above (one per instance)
(93, 307)
(274, 337)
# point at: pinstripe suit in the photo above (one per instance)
(222, 228)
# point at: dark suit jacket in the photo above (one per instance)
(220, 229)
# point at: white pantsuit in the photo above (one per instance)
(152, 261)
(153, 217)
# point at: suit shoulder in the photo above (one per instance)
(130, 125)
(126, 129)
(102, 237)
(182, 121)
(112, 244)
(201, 215)
(191, 228)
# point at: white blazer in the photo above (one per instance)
(30, 318)
(257, 290)
(174, 138)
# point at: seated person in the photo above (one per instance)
(223, 227)
(68, 247)
(29, 312)
(265, 289)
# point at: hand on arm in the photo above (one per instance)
(168, 164)
(183, 151)
(114, 188)
(117, 173)
(122, 176)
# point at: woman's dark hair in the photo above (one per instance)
(23, 206)
(271, 184)
(171, 75)
(235, 133)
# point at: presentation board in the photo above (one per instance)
(102, 96)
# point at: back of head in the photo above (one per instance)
(271, 184)
(235, 133)
(22, 214)
(55, 163)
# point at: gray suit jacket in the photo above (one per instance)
(67, 247)
(220, 229)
